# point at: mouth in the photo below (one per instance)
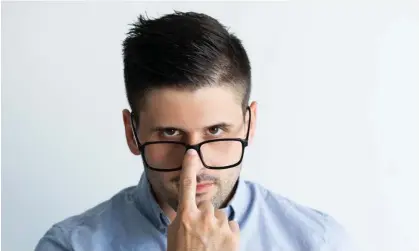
(203, 187)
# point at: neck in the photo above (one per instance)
(230, 195)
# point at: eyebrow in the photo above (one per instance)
(223, 125)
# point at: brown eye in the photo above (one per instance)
(170, 132)
(214, 130)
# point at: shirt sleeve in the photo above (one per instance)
(53, 240)
(338, 239)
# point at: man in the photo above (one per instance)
(188, 83)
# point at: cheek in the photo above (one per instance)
(161, 180)
(227, 176)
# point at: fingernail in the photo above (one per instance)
(191, 152)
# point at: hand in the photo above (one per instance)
(199, 228)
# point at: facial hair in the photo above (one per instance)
(224, 193)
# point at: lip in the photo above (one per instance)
(203, 187)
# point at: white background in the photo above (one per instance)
(338, 129)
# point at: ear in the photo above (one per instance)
(253, 111)
(131, 141)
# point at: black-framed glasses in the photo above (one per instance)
(167, 156)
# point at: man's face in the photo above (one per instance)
(192, 117)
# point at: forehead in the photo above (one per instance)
(196, 108)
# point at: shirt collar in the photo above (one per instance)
(147, 204)
(240, 201)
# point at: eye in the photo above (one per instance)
(170, 132)
(215, 130)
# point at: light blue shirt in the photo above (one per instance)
(133, 221)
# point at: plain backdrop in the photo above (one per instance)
(338, 125)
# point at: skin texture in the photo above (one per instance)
(191, 116)
(199, 226)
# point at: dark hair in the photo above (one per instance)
(183, 50)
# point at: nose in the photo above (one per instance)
(193, 139)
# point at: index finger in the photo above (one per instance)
(187, 187)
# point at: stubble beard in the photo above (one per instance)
(219, 200)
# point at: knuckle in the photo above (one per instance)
(207, 217)
(208, 223)
(184, 216)
(205, 206)
(187, 182)
(185, 222)
(221, 216)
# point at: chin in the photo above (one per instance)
(205, 197)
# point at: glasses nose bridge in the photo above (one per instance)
(196, 147)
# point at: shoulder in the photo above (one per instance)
(311, 228)
(61, 235)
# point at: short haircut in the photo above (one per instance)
(184, 50)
